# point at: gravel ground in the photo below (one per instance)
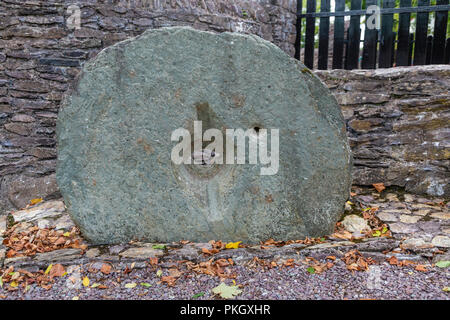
(380, 282)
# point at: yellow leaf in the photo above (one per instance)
(86, 281)
(76, 298)
(35, 201)
(67, 234)
(233, 245)
(159, 273)
(130, 285)
(14, 284)
(446, 289)
(48, 269)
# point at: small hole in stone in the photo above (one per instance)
(256, 129)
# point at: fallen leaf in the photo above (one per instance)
(311, 270)
(130, 285)
(47, 271)
(443, 264)
(233, 245)
(145, 284)
(35, 201)
(377, 233)
(159, 273)
(86, 281)
(393, 260)
(159, 246)
(57, 271)
(175, 273)
(198, 295)
(446, 289)
(76, 298)
(225, 291)
(169, 280)
(106, 268)
(344, 234)
(379, 186)
(421, 268)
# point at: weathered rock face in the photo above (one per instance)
(114, 160)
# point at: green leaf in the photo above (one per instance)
(198, 295)
(145, 284)
(225, 291)
(95, 285)
(1, 282)
(311, 270)
(376, 233)
(384, 230)
(443, 264)
(446, 289)
(159, 246)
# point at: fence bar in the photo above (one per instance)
(403, 36)
(338, 43)
(393, 50)
(324, 31)
(354, 37)
(309, 37)
(440, 29)
(382, 10)
(429, 49)
(298, 29)
(420, 46)
(369, 59)
(447, 51)
(386, 36)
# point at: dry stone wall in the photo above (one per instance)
(397, 118)
(398, 123)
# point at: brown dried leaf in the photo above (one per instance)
(106, 268)
(379, 186)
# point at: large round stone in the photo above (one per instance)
(114, 140)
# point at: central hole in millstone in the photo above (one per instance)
(204, 163)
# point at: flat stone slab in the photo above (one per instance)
(114, 138)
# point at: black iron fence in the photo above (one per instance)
(385, 44)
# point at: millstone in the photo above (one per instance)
(114, 142)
